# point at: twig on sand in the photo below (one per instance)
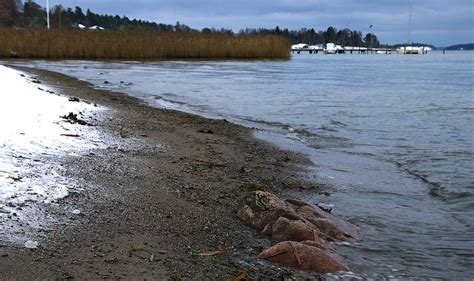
(213, 253)
(134, 250)
(18, 178)
(243, 275)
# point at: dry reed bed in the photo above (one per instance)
(55, 44)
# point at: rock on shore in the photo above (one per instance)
(302, 229)
(307, 255)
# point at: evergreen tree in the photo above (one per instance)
(277, 30)
(8, 13)
(34, 14)
(371, 40)
(330, 35)
(356, 39)
(80, 18)
(60, 18)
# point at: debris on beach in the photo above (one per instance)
(73, 99)
(31, 244)
(73, 119)
(208, 131)
(70, 135)
(243, 275)
(243, 169)
(15, 178)
(302, 229)
(213, 253)
(325, 207)
(138, 251)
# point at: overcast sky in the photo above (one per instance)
(439, 22)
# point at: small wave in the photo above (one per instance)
(337, 123)
(168, 94)
(327, 128)
(310, 139)
(437, 109)
(360, 153)
(168, 101)
(275, 124)
(434, 188)
(454, 195)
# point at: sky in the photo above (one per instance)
(438, 22)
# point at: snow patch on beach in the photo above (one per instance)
(33, 131)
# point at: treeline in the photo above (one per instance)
(465, 47)
(23, 35)
(13, 13)
(344, 37)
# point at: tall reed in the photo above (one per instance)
(78, 44)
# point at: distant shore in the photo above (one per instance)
(165, 188)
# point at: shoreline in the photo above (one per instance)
(170, 184)
(396, 214)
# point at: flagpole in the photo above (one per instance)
(47, 12)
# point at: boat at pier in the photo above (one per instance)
(331, 48)
(413, 50)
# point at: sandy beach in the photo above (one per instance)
(157, 188)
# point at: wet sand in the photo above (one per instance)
(165, 187)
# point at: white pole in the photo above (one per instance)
(409, 24)
(47, 12)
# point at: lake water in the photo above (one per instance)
(390, 135)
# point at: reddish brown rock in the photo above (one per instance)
(304, 227)
(293, 230)
(330, 230)
(262, 209)
(306, 256)
(334, 227)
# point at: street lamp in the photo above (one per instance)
(47, 13)
(369, 39)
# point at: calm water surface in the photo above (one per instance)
(391, 135)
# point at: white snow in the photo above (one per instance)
(31, 130)
(299, 46)
(96, 27)
(31, 244)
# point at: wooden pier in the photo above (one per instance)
(346, 50)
